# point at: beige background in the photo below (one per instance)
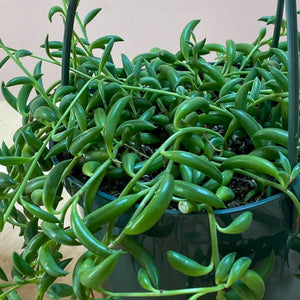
(142, 24)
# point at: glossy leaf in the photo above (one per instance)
(238, 269)
(185, 38)
(187, 265)
(196, 162)
(14, 160)
(53, 10)
(224, 267)
(9, 97)
(144, 280)
(4, 60)
(6, 181)
(257, 164)
(266, 267)
(195, 193)
(90, 16)
(22, 53)
(52, 184)
(239, 224)
(285, 163)
(19, 80)
(255, 283)
(102, 41)
(94, 276)
(3, 275)
(59, 290)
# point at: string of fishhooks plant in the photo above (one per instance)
(164, 131)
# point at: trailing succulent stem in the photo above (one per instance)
(161, 132)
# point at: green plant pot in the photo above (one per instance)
(189, 235)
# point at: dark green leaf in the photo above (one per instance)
(59, 290)
(19, 80)
(14, 160)
(285, 163)
(14, 296)
(185, 38)
(6, 181)
(267, 266)
(295, 171)
(101, 42)
(22, 53)
(9, 97)
(52, 44)
(90, 16)
(3, 61)
(3, 275)
(53, 10)
(1, 226)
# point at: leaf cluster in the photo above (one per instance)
(168, 130)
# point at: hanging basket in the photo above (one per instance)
(275, 222)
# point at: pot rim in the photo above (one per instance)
(237, 209)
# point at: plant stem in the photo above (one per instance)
(274, 97)
(213, 235)
(84, 187)
(140, 207)
(34, 81)
(163, 147)
(145, 89)
(38, 154)
(275, 185)
(165, 293)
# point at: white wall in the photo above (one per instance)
(143, 24)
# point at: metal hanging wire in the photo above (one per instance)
(67, 40)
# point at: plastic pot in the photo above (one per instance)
(189, 234)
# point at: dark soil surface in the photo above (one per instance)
(245, 189)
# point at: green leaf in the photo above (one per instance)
(101, 42)
(14, 296)
(295, 171)
(19, 80)
(185, 38)
(6, 181)
(21, 265)
(239, 224)
(59, 290)
(3, 61)
(1, 228)
(22, 53)
(3, 275)
(285, 178)
(267, 19)
(90, 16)
(224, 266)
(242, 290)
(238, 269)
(53, 10)
(267, 266)
(52, 44)
(62, 91)
(254, 163)
(9, 97)
(144, 280)
(37, 72)
(22, 99)
(14, 160)
(187, 265)
(285, 163)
